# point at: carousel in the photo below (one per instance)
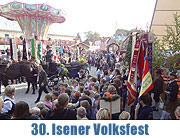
(34, 21)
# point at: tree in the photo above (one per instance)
(78, 37)
(171, 42)
(167, 52)
(90, 36)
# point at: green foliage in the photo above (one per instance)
(159, 54)
(167, 52)
(90, 36)
(63, 71)
(78, 37)
(127, 59)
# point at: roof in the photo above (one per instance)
(163, 15)
(102, 39)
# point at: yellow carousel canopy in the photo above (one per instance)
(164, 15)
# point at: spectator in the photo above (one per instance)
(48, 103)
(43, 113)
(87, 106)
(60, 112)
(124, 116)
(177, 113)
(143, 110)
(81, 113)
(106, 76)
(9, 101)
(40, 105)
(35, 111)
(22, 112)
(103, 114)
(170, 98)
(3, 116)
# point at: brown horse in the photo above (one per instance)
(17, 70)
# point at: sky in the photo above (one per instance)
(102, 16)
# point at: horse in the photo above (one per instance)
(19, 69)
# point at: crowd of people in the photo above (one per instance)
(80, 99)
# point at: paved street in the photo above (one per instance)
(30, 98)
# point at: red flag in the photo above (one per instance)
(141, 62)
(132, 78)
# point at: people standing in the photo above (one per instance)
(49, 55)
(170, 98)
(90, 62)
(158, 88)
(42, 78)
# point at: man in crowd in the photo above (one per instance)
(49, 55)
(158, 88)
(42, 79)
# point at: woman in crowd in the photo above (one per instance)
(60, 112)
(22, 112)
(9, 101)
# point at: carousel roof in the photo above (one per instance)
(34, 19)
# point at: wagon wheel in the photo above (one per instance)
(53, 81)
(113, 47)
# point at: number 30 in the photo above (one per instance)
(42, 129)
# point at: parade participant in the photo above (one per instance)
(7, 53)
(42, 78)
(170, 98)
(22, 112)
(9, 101)
(49, 55)
(3, 116)
(158, 88)
(60, 112)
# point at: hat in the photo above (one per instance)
(173, 74)
(158, 71)
(48, 46)
(124, 116)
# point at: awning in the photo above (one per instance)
(163, 15)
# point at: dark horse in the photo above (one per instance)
(17, 70)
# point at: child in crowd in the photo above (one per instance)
(104, 90)
(35, 111)
(43, 113)
(54, 95)
(102, 83)
(61, 88)
(95, 105)
(81, 75)
(48, 103)
(75, 86)
(81, 113)
(86, 105)
(100, 72)
(95, 89)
